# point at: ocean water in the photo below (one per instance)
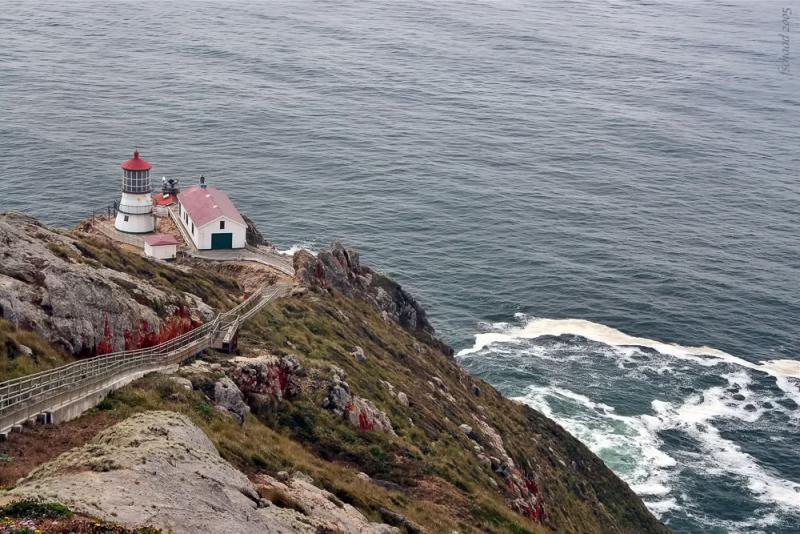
(596, 200)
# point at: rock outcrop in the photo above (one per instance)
(229, 400)
(266, 378)
(164, 472)
(521, 489)
(354, 391)
(340, 269)
(47, 287)
(360, 413)
(323, 508)
(252, 235)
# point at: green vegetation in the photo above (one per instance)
(37, 516)
(281, 499)
(14, 360)
(430, 449)
(215, 289)
(64, 252)
(34, 509)
(105, 405)
(428, 472)
(300, 435)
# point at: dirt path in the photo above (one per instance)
(38, 444)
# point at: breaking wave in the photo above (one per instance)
(308, 247)
(690, 405)
(607, 335)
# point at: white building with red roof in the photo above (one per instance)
(160, 246)
(211, 219)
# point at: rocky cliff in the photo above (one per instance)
(166, 472)
(339, 270)
(342, 412)
(86, 296)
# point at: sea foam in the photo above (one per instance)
(607, 335)
(722, 456)
(297, 248)
(631, 443)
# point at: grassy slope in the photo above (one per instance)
(215, 289)
(581, 494)
(443, 486)
(14, 363)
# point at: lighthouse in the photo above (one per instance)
(135, 212)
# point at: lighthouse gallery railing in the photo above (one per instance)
(25, 397)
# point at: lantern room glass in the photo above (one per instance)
(136, 182)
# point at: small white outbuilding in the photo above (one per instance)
(211, 219)
(160, 246)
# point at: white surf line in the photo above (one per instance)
(297, 248)
(649, 468)
(722, 456)
(607, 335)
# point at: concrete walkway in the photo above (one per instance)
(262, 255)
(65, 392)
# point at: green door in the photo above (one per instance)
(221, 241)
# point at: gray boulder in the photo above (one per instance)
(402, 398)
(157, 468)
(360, 413)
(182, 382)
(229, 400)
(252, 234)
(358, 354)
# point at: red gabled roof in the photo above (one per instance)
(136, 163)
(206, 205)
(155, 240)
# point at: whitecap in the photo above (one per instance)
(659, 508)
(782, 370)
(297, 248)
(722, 456)
(629, 444)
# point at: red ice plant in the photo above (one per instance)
(106, 343)
(144, 335)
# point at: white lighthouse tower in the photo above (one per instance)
(135, 212)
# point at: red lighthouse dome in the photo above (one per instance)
(136, 163)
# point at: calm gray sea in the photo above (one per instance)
(597, 200)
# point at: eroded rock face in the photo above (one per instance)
(266, 378)
(521, 489)
(164, 472)
(252, 234)
(360, 413)
(340, 268)
(229, 400)
(75, 305)
(324, 510)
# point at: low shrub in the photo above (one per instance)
(203, 410)
(105, 405)
(35, 509)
